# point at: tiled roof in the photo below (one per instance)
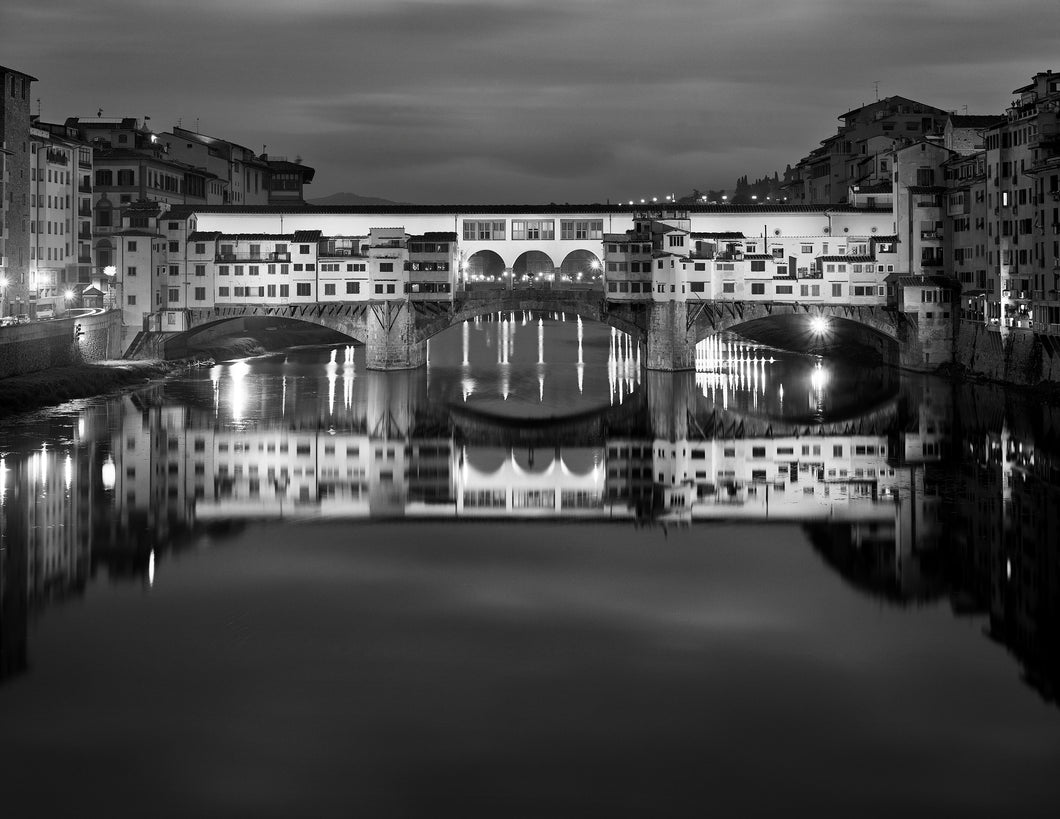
(307, 235)
(203, 235)
(929, 281)
(927, 189)
(459, 210)
(729, 235)
(854, 259)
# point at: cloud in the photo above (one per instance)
(590, 94)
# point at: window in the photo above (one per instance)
(200, 248)
(304, 289)
(131, 247)
(807, 248)
(758, 266)
(303, 249)
(131, 301)
(200, 270)
(533, 229)
(174, 270)
(784, 289)
(581, 229)
(329, 289)
(174, 247)
(272, 291)
(758, 288)
(222, 270)
(728, 287)
(675, 240)
(200, 294)
(285, 290)
(386, 267)
(474, 230)
(353, 287)
(222, 291)
(837, 291)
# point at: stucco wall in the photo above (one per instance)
(27, 348)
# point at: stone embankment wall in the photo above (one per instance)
(40, 345)
(1020, 357)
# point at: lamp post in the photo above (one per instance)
(114, 285)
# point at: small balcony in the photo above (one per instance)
(84, 187)
(84, 258)
(58, 157)
(84, 210)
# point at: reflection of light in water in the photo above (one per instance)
(540, 341)
(215, 382)
(540, 386)
(581, 360)
(81, 427)
(467, 386)
(238, 398)
(3, 479)
(466, 339)
(151, 568)
(333, 375)
(581, 379)
(43, 461)
(68, 472)
(283, 396)
(819, 377)
(349, 373)
(108, 473)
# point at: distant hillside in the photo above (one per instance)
(352, 199)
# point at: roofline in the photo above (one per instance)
(456, 210)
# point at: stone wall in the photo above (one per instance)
(1019, 357)
(40, 345)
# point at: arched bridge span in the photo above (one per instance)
(395, 331)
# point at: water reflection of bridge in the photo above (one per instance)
(891, 501)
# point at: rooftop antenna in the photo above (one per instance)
(99, 113)
(196, 125)
(876, 84)
(38, 107)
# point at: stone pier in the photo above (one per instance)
(391, 342)
(671, 343)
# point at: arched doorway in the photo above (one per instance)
(533, 265)
(581, 267)
(484, 266)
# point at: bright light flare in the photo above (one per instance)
(819, 325)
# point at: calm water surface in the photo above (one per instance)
(532, 580)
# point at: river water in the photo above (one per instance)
(533, 579)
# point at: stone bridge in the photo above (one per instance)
(395, 332)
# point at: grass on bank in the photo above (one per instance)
(20, 393)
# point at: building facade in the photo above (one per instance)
(16, 291)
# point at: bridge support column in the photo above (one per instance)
(390, 343)
(671, 344)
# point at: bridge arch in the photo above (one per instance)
(805, 327)
(588, 304)
(227, 322)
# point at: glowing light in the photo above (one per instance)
(819, 377)
(238, 399)
(819, 325)
(108, 473)
(68, 472)
(1008, 568)
(69, 294)
(151, 568)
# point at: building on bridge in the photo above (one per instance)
(612, 263)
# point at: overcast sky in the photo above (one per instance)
(522, 100)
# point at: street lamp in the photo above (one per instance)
(3, 293)
(111, 272)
